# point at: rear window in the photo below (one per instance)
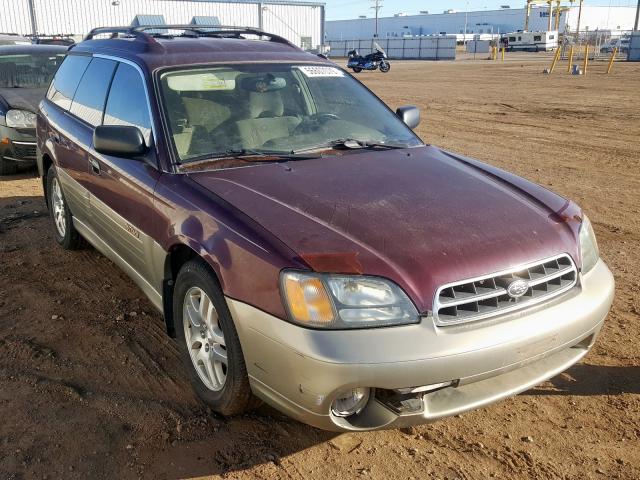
(88, 102)
(64, 84)
(28, 70)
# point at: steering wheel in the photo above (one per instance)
(312, 122)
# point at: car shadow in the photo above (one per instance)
(585, 379)
(30, 173)
(262, 439)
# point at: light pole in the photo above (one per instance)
(637, 16)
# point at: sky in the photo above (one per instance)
(342, 9)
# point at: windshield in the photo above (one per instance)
(28, 71)
(274, 109)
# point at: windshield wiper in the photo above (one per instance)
(349, 144)
(250, 155)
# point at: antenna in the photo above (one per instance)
(377, 5)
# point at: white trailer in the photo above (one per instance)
(531, 41)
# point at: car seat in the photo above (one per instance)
(266, 120)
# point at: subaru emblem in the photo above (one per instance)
(517, 289)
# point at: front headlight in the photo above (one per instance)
(345, 301)
(20, 119)
(588, 246)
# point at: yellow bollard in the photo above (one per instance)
(570, 59)
(503, 49)
(555, 60)
(613, 57)
(586, 59)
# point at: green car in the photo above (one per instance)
(25, 73)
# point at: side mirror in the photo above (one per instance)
(410, 115)
(119, 140)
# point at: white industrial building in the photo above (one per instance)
(302, 22)
(504, 20)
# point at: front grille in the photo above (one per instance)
(488, 296)
(24, 149)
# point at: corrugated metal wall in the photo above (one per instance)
(77, 17)
(14, 17)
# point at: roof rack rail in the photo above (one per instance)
(114, 31)
(220, 31)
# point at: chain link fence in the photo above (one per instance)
(601, 45)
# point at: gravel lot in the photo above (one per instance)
(90, 387)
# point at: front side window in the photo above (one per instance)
(127, 103)
(67, 78)
(273, 108)
(29, 70)
(88, 102)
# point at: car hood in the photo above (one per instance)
(23, 98)
(421, 217)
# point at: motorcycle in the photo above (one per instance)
(373, 61)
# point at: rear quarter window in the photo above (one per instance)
(64, 84)
(88, 102)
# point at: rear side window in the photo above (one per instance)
(88, 102)
(127, 103)
(64, 84)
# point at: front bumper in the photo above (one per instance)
(18, 145)
(301, 371)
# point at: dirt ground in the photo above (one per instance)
(90, 386)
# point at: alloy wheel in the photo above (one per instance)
(57, 204)
(205, 339)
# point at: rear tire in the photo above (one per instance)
(7, 167)
(209, 342)
(356, 69)
(63, 230)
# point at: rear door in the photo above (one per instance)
(71, 162)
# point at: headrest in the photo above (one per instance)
(267, 104)
(263, 83)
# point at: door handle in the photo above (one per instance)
(95, 166)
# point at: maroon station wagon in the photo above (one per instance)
(305, 247)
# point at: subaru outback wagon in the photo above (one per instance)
(304, 246)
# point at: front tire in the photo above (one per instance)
(63, 230)
(385, 67)
(209, 342)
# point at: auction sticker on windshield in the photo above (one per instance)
(317, 71)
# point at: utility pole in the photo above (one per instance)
(637, 16)
(377, 5)
(34, 21)
(466, 19)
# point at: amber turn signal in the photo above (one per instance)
(308, 300)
